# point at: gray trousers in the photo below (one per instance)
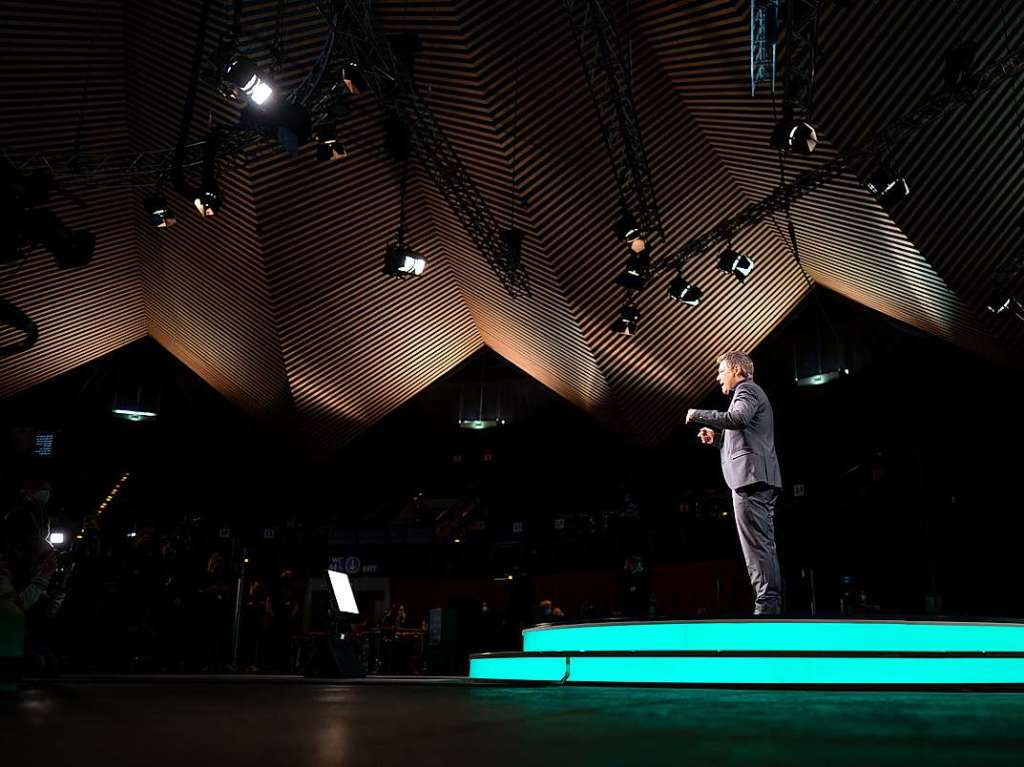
(754, 507)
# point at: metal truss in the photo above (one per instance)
(147, 169)
(934, 108)
(607, 71)
(801, 44)
(764, 29)
(352, 38)
(360, 42)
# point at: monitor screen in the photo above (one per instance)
(344, 599)
(43, 443)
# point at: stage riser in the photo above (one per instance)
(781, 671)
(766, 652)
(797, 636)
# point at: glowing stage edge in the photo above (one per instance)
(765, 652)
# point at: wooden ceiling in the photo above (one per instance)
(279, 302)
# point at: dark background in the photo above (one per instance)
(900, 477)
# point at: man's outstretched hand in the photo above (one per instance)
(706, 435)
(689, 414)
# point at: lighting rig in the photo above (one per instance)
(935, 107)
(607, 68)
(370, 63)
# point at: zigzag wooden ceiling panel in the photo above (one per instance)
(966, 174)
(849, 244)
(280, 303)
(669, 364)
(62, 67)
(539, 332)
(356, 342)
(207, 297)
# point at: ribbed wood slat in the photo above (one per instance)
(62, 68)
(279, 302)
(872, 66)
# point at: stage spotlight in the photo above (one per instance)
(243, 74)
(799, 137)
(736, 264)
(328, 147)
(888, 186)
(627, 322)
(353, 79)
(400, 261)
(627, 229)
(159, 214)
(69, 249)
(1001, 303)
(636, 275)
(208, 200)
(681, 290)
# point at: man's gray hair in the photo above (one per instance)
(739, 360)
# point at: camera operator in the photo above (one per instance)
(32, 574)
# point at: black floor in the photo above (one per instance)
(194, 723)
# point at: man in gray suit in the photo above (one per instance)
(745, 436)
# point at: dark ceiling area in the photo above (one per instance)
(278, 301)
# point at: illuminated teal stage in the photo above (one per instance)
(774, 652)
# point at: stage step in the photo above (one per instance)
(773, 652)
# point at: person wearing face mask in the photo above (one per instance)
(745, 437)
(30, 556)
(27, 564)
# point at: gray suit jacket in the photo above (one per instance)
(747, 438)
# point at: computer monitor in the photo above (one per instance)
(344, 599)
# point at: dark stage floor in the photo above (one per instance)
(193, 723)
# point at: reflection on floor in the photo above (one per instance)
(198, 721)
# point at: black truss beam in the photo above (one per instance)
(934, 108)
(359, 41)
(801, 42)
(606, 68)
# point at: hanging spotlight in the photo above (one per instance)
(888, 186)
(328, 147)
(1001, 303)
(636, 275)
(241, 72)
(70, 249)
(208, 200)
(353, 79)
(626, 324)
(736, 264)
(159, 214)
(681, 290)
(23, 224)
(794, 136)
(627, 229)
(401, 261)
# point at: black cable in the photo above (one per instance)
(1016, 88)
(515, 125)
(794, 246)
(177, 172)
(401, 199)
